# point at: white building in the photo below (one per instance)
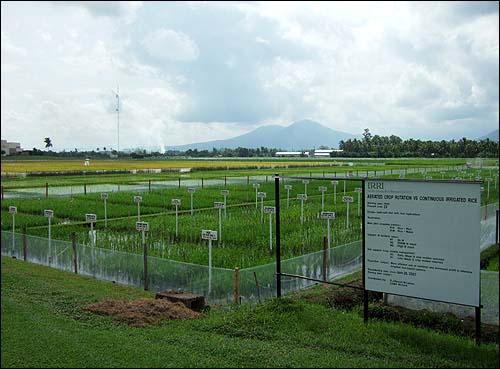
(11, 148)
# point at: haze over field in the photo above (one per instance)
(196, 72)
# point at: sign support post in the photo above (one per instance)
(335, 183)
(302, 197)
(270, 210)
(176, 202)
(347, 199)
(13, 211)
(288, 188)
(49, 214)
(138, 200)
(104, 196)
(322, 190)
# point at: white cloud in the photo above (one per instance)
(168, 44)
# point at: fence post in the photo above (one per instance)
(236, 285)
(73, 241)
(179, 182)
(25, 244)
(149, 185)
(248, 182)
(84, 188)
(2, 192)
(324, 257)
(257, 284)
(201, 182)
(46, 190)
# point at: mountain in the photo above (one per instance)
(304, 134)
(493, 136)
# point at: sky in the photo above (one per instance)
(198, 71)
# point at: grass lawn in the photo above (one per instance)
(45, 324)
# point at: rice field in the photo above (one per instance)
(245, 229)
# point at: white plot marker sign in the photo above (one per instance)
(177, 203)
(422, 239)
(270, 210)
(13, 211)
(335, 183)
(49, 214)
(209, 235)
(138, 200)
(347, 199)
(302, 197)
(143, 227)
(191, 191)
(288, 188)
(328, 215)
(489, 179)
(220, 206)
(322, 190)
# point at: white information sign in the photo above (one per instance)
(48, 213)
(261, 194)
(322, 189)
(422, 239)
(208, 235)
(219, 205)
(13, 209)
(301, 196)
(224, 192)
(288, 187)
(305, 181)
(176, 202)
(104, 196)
(142, 226)
(358, 189)
(137, 199)
(191, 190)
(90, 218)
(335, 183)
(269, 209)
(327, 215)
(347, 198)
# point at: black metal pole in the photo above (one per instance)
(365, 292)
(278, 234)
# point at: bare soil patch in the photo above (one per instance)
(143, 312)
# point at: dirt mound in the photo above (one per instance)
(143, 312)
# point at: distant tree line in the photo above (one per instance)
(394, 147)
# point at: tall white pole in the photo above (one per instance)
(118, 115)
(344, 187)
(225, 214)
(256, 206)
(488, 188)
(92, 245)
(210, 265)
(138, 211)
(347, 216)
(322, 201)
(288, 196)
(359, 193)
(176, 222)
(13, 230)
(262, 210)
(305, 188)
(329, 242)
(50, 257)
(270, 233)
(220, 226)
(105, 216)
(335, 194)
(302, 211)
(191, 203)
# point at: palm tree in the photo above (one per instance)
(48, 142)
